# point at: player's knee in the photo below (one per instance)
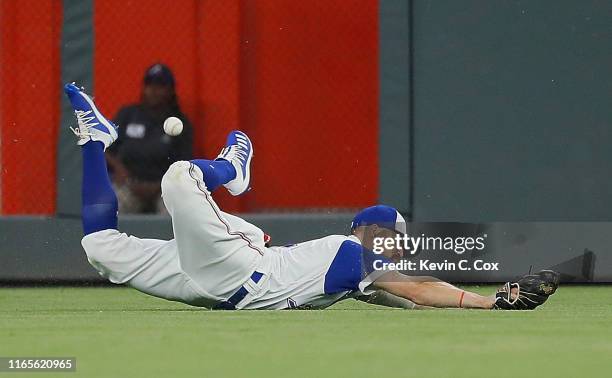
(176, 173)
(97, 257)
(93, 255)
(100, 245)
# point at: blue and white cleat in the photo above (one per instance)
(91, 123)
(238, 150)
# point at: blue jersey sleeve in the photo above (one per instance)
(352, 266)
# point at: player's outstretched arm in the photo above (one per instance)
(527, 293)
(428, 291)
(383, 298)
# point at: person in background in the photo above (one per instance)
(144, 152)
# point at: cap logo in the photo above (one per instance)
(155, 69)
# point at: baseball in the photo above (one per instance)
(173, 126)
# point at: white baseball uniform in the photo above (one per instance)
(214, 254)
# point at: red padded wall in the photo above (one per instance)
(132, 35)
(197, 39)
(310, 102)
(29, 104)
(300, 77)
(218, 100)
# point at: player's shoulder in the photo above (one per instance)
(341, 241)
(330, 244)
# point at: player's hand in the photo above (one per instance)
(528, 292)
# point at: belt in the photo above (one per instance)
(238, 296)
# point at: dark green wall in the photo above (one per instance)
(77, 66)
(395, 105)
(38, 249)
(512, 110)
(49, 249)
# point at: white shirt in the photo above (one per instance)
(294, 276)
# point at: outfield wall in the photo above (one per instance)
(512, 117)
(488, 112)
(48, 249)
(281, 71)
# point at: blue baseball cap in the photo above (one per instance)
(382, 216)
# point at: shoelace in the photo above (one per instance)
(84, 120)
(235, 151)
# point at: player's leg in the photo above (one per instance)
(99, 202)
(148, 265)
(215, 172)
(232, 167)
(187, 187)
(96, 133)
(216, 250)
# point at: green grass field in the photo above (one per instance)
(116, 332)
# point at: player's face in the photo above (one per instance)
(394, 253)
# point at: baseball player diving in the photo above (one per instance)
(219, 261)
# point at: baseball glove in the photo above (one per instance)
(531, 291)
